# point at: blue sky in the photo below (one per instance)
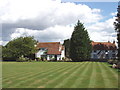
(106, 7)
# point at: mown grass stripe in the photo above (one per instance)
(109, 78)
(17, 77)
(33, 77)
(83, 79)
(60, 75)
(44, 78)
(79, 74)
(93, 76)
(26, 78)
(73, 76)
(111, 70)
(99, 77)
(63, 76)
(49, 78)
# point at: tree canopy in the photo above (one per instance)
(80, 43)
(22, 46)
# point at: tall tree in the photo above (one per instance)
(80, 43)
(22, 46)
(67, 47)
(117, 29)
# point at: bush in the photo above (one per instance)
(38, 59)
(112, 61)
(23, 59)
(118, 65)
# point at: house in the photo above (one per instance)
(104, 50)
(50, 51)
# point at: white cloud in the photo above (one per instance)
(114, 14)
(51, 20)
(52, 11)
(103, 31)
(3, 42)
(56, 33)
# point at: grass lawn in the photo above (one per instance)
(58, 75)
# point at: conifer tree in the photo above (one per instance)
(80, 43)
(117, 29)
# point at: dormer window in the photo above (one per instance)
(42, 49)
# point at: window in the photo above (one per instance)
(95, 51)
(42, 48)
(113, 55)
(113, 50)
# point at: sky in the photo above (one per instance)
(54, 20)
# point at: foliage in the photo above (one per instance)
(22, 46)
(22, 59)
(67, 47)
(80, 43)
(117, 29)
(112, 61)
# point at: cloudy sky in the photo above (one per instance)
(54, 20)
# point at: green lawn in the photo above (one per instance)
(58, 75)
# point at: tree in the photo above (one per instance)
(67, 47)
(22, 46)
(117, 29)
(80, 43)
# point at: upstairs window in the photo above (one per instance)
(106, 50)
(113, 55)
(113, 50)
(42, 49)
(95, 51)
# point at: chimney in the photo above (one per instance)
(114, 42)
(108, 41)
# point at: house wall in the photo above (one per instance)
(59, 57)
(39, 53)
(62, 54)
(50, 57)
(103, 54)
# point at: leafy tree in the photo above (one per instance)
(80, 43)
(22, 46)
(117, 29)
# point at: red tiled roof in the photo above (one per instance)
(103, 46)
(52, 47)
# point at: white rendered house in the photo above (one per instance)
(50, 51)
(104, 50)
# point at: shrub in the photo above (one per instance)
(22, 59)
(118, 65)
(110, 61)
(38, 59)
